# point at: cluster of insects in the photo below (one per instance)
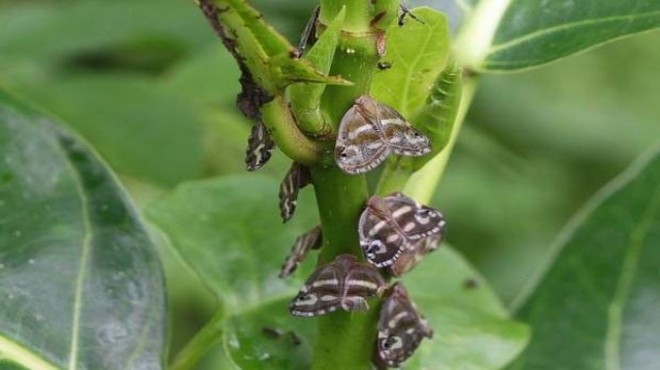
(395, 232)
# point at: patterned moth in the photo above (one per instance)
(401, 328)
(297, 178)
(370, 131)
(259, 146)
(415, 252)
(304, 243)
(390, 224)
(344, 283)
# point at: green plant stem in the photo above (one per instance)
(201, 343)
(422, 184)
(278, 119)
(345, 340)
(395, 175)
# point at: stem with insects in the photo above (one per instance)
(345, 340)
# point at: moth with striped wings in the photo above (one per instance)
(304, 243)
(396, 223)
(401, 328)
(344, 283)
(297, 178)
(370, 131)
(259, 146)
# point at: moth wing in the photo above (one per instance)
(400, 136)
(259, 146)
(414, 253)
(310, 240)
(415, 220)
(321, 293)
(400, 327)
(295, 179)
(381, 242)
(359, 146)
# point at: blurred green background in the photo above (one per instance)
(150, 86)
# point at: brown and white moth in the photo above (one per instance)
(370, 131)
(415, 252)
(390, 224)
(297, 178)
(401, 328)
(259, 146)
(344, 283)
(304, 243)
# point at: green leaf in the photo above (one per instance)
(516, 34)
(142, 130)
(602, 288)
(472, 329)
(81, 284)
(228, 230)
(269, 338)
(49, 35)
(418, 53)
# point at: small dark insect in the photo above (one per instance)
(295, 339)
(406, 12)
(384, 65)
(271, 332)
(308, 36)
(470, 283)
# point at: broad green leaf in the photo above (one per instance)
(417, 52)
(81, 285)
(229, 231)
(269, 338)
(515, 34)
(142, 130)
(601, 292)
(471, 328)
(48, 34)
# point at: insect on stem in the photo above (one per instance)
(405, 11)
(308, 36)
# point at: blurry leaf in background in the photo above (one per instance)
(538, 144)
(229, 232)
(142, 131)
(48, 34)
(471, 327)
(80, 280)
(517, 34)
(601, 290)
(532, 33)
(134, 92)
